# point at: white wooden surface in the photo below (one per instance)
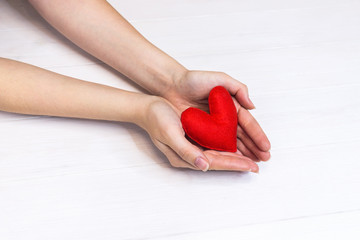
(80, 179)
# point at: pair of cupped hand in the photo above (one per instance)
(192, 90)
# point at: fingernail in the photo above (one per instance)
(202, 164)
(253, 105)
(254, 169)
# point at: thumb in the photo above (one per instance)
(189, 152)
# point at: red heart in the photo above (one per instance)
(216, 130)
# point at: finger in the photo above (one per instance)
(253, 129)
(240, 91)
(236, 103)
(245, 151)
(188, 152)
(247, 141)
(242, 146)
(173, 158)
(230, 162)
(239, 153)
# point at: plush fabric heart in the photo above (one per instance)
(216, 130)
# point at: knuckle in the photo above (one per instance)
(246, 123)
(174, 164)
(185, 153)
(222, 74)
(245, 87)
(240, 133)
(167, 133)
(241, 112)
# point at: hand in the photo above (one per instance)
(192, 90)
(162, 121)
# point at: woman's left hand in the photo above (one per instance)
(192, 90)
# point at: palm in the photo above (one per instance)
(193, 91)
(167, 134)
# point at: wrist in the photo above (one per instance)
(171, 81)
(166, 79)
(141, 113)
(154, 70)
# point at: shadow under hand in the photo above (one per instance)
(144, 144)
(26, 12)
(30, 16)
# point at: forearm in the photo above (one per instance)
(31, 90)
(100, 30)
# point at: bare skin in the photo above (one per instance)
(174, 87)
(28, 89)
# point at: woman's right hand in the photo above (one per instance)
(162, 121)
